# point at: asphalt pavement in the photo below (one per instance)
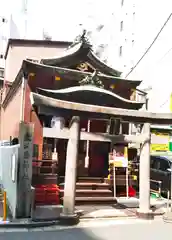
(96, 230)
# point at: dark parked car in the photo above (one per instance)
(160, 170)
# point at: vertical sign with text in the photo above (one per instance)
(25, 169)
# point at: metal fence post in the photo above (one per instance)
(114, 180)
(171, 191)
(5, 206)
(32, 202)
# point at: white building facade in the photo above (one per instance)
(121, 32)
(3, 40)
(139, 24)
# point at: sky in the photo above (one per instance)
(64, 20)
(61, 19)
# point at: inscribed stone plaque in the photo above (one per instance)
(25, 170)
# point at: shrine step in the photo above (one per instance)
(89, 185)
(95, 200)
(44, 168)
(44, 179)
(85, 179)
(90, 179)
(90, 193)
(91, 190)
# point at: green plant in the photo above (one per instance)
(92, 80)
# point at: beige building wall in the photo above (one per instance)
(16, 53)
(10, 116)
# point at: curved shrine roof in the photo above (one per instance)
(76, 75)
(80, 52)
(89, 94)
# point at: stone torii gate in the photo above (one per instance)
(74, 135)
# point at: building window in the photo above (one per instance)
(120, 51)
(1, 73)
(132, 43)
(121, 26)
(122, 3)
(1, 56)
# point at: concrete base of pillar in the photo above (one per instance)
(69, 219)
(47, 212)
(145, 215)
(167, 217)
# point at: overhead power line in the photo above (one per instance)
(169, 50)
(150, 45)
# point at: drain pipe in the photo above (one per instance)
(1, 114)
(23, 93)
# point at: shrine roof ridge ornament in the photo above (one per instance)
(81, 38)
(124, 114)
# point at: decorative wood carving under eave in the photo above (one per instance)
(85, 67)
(82, 67)
(112, 86)
(57, 78)
(133, 95)
(31, 76)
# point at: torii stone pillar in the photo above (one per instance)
(68, 214)
(144, 169)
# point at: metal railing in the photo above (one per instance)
(159, 183)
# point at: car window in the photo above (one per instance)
(164, 165)
(154, 163)
(159, 163)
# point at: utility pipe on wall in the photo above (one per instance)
(23, 93)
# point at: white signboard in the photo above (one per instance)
(120, 156)
(55, 156)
